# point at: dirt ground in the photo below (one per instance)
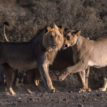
(60, 99)
(68, 95)
(25, 18)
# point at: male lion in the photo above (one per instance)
(39, 53)
(89, 53)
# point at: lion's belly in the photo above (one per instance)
(98, 56)
(23, 66)
(98, 63)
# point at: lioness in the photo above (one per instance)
(38, 52)
(89, 53)
(83, 74)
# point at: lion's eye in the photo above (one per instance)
(68, 38)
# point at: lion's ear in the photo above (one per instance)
(61, 30)
(78, 32)
(55, 27)
(49, 28)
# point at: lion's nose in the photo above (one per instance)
(65, 45)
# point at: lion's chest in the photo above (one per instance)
(50, 56)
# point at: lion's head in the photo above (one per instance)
(71, 37)
(53, 38)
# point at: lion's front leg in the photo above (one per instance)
(46, 77)
(80, 66)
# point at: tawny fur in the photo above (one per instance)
(89, 53)
(38, 52)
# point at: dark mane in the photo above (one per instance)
(39, 35)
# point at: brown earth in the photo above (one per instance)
(26, 17)
(61, 99)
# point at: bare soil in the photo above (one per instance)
(60, 99)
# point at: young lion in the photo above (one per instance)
(89, 53)
(19, 80)
(83, 74)
(38, 52)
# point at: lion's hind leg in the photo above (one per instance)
(84, 75)
(10, 76)
(104, 88)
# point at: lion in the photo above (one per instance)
(21, 77)
(39, 53)
(68, 41)
(89, 53)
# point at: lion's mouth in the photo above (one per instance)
(55, 47)
(65, 46)
(52, 47)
